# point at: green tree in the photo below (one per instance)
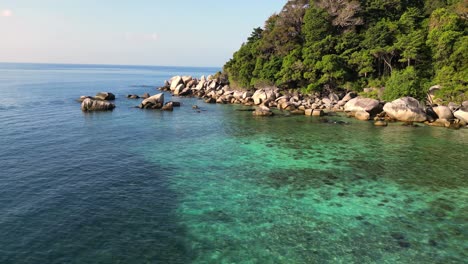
(403, 83)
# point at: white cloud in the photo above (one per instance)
(6, 13)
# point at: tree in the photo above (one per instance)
(403, 83)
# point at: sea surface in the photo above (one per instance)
(216, 185)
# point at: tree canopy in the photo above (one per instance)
(405, 45)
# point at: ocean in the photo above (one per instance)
(215, 185)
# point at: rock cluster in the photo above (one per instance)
(406, 109)
(98, 102)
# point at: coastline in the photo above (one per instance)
(407, 109)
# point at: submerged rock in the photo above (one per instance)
(89, 105)
(263, 111)
(406, 109)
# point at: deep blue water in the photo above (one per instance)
(216, 186)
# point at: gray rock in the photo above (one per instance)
(89, 105)
(175, 81)
(462, 115)
(443, 112)
(168, 107)
(357, 104)
(105, 96)
(179, 89)
(406, 109)
(153, 102)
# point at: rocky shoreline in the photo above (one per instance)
(213, 90)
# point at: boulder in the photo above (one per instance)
(406, 109)
(259, 96)
(178, 90)
(168, 107)
(153, 102)
(84, 97)
(357, 104)
(453, 106)
(89, 105)
(348, 97)
(210, 100)
(362, 115)
(176, 104)
(262, 111)
(443, 112)
(133, 96)
(105, 96)
(317, 112)
(308, 112)
(462, 115)
(146, 95)
(200, 85)
(186, 80)
(175, 82)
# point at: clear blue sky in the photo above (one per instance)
(140, 32)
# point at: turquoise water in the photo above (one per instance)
(215, 186)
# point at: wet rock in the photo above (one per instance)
(153, 102)
(210, 100)
(362, 115)
(380, 123)
(262, 111)
(89, 105)
(146, 96)
(176, 81)
(84, 97)
(406, 109)
(168, 107)
(133, 96)
(318, 112)
(105, 96)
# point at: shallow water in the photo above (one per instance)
(215, 186)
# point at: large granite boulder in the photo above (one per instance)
(406, 109)
(462, 115)
(178, 90)
(89, 105)
(175, 81)
(105, 96)
(259, 96)
(369, 105)
(154, 102)
(443, 112)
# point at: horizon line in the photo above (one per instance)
(107, 64)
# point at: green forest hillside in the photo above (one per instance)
(405, 46)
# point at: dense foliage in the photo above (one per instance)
(404, 45)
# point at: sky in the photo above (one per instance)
(129, 32)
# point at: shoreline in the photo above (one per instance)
(407, 109)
